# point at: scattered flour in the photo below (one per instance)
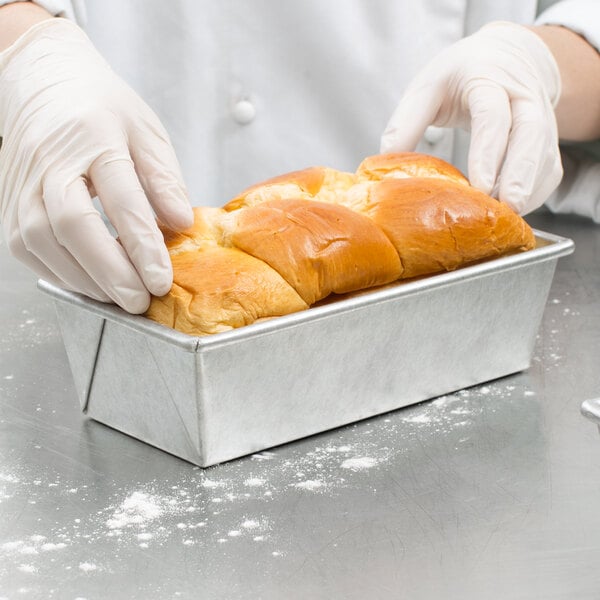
(441, 401)
(460, 411)
(420, 418)
(359, 463)
(254, 482)
(211, 484)
(250, 524)
(263, 456)
(310, 484)
(138, 509)
(8, 478)
(27, 568)
(224, 508)
(9, 546)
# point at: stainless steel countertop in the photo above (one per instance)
(493, 492)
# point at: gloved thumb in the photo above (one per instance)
(417, 109)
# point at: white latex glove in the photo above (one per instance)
(72, 129)
(502, 84)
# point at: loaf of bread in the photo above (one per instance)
(289, 242)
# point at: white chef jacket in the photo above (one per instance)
(579, 190)
(322, 77)
(248, 89)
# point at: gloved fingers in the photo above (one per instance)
(34, 244)
(78, 226)
(417, 109)
(491, 119)
(159, 173)
(127, 208)
(532, 156)
(90, 188)
(550, 175)
(24, 256)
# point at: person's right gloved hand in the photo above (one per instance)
(502, 84)
(72, 129)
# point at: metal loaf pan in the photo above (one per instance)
(211, 399)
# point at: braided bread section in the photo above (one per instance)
(284, 244)
(218, 287)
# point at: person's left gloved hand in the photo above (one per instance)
(73, 129)
(502, 84)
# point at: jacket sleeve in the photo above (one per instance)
(70, 9)
(579, 191)
(580, 16)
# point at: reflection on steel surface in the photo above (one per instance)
(591, 410)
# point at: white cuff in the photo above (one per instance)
(70, 9)
(578, 192)
(580, 16)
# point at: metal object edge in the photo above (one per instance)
(554, 248)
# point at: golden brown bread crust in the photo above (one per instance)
(439, 225)
(216, 288)
(219, 289)
(399, 165)
(299, 184)
(286, 243)
(314, 183)
(318, 248)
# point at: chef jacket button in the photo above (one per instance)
(243, 112)
(434, 134)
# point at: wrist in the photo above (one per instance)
(577, 112)
(16, 18)
(536, 53)
(47, 53)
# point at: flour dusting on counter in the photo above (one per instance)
(210, 483)
(28, 334)
(250, 524)
(310, 484)
(27, 568)
(235, 507)
(418, 418)
(137, 509)
(254, 482)
(359, 463)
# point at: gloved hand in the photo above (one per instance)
(502, 83)
(72, 129)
